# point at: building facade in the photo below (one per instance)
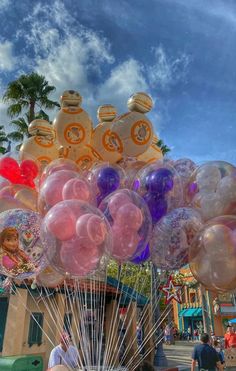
(203, 309)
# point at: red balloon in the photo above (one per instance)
(10, 169)
(29, 169)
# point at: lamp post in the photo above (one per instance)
(159, 356)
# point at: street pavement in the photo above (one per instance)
(179, 354)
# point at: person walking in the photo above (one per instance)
(230, 338)
(206, 356)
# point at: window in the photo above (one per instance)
(35, 329)
(67, 322)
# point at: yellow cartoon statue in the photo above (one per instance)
(72, 125)
(104, 141)
(153, 153)
(133, 129)
(41, 145)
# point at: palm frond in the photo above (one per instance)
(16, 136)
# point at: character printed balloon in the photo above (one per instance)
(21, 249)
(172, 237)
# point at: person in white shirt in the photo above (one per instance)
(64, 354)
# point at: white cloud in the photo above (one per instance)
(166, 71)
(124, 80)
(7, 61)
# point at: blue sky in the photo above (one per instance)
(182, 52)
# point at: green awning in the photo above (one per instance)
(192, 312)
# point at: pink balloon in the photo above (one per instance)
(125, 243)
(51, 190)
(117, 200)
(76, 189)
(129, 216)
(92, 228)
(60, 222)
(79, 257)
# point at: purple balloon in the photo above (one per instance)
(108, 181)
(159, 181)
(144, 256)
(157, 205)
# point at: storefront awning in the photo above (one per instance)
(192, 312)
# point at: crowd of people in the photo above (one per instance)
(208, 354)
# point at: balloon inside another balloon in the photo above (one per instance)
(185, 168)
(106, 179)
(16, 194)
(78, 189)
(76, 235)
(161, 187)
(212, 254)
(172, 237)
(142, 257)
(131, 224)
(58, 165)
(51, 191)
(22, 252)
(49, 277)
(211, 189)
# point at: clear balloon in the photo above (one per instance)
(211, 189)
(7, 203)
(131, 225)
(172, 237)
(49, 278)
(78, 189)
(51, 191)
(22, 253)
(57, 165)
(19, 195)
(213, 254)
(142, 257)
(160, 186)
(76, 235)
(106, 179)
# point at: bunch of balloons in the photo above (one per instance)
(109, 194)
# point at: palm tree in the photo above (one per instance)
(29, 92)
(164, 148)
(3, 139)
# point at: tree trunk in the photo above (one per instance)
(31, 111)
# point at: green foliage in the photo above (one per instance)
(164, 148)
(3, 139)
(28, 93)
(137, 277)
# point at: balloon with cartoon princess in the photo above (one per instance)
(21, 251)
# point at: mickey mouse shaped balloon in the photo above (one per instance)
(72, 124)
(133, 129)
(41, 145)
